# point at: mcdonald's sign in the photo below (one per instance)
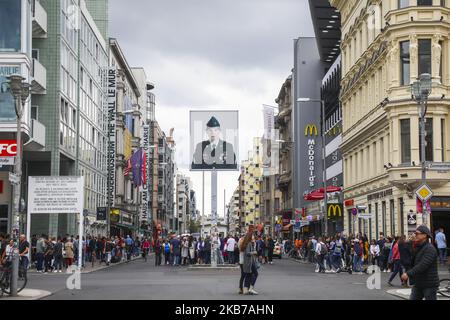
(335, 208)
(312, 128)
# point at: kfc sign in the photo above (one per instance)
(8, 148)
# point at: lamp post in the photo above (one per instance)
(324, 169)
(20, 91)
(420, 91)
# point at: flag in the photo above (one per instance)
(136, 167)
(144, 168)
(127, 170)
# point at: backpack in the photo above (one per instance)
(166, 248)
(323, 249)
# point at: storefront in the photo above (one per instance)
(440, 215)
(122, 223)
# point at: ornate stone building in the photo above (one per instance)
(385, 46)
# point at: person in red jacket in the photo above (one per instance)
(395, 262)
(145, 248)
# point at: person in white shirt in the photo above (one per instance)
(230, 249)
(441, 244)
(374, 251)
(8, 253)
(320, 255)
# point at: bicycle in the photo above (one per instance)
(444, 288)
(5, 279)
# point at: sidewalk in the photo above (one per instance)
(405, 293)
(88, 266)
(28, 294)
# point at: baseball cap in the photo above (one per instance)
(424, 229)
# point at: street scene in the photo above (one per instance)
(256, 150)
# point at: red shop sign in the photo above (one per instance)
(349, 203)
(8, 148)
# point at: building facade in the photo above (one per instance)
(251, 172)
(386, 45)
(183, 208)
(124, 216)
(75, 55)
(284, 125)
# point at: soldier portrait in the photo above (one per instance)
(214, 152)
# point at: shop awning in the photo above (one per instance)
(318, 194)
(287, 227)
(125, 226)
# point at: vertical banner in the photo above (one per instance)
(145, 166)
(270, 146)
(111, 150)
(269, 122)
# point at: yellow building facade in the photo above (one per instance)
(252, 173)
(385, 46)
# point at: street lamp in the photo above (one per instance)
(20, 91)
(324, 170)
(420, 91)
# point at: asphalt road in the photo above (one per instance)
(285, 279)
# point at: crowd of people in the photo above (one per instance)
(355, 253)
(55, 254)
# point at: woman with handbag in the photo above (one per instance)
(251, 263)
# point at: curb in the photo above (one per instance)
(394, 293)
(39, 294)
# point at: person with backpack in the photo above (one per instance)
(321, 251)
(166, 252)
(145, 247)
(107, 250)
(336, 251)
(129, 247)
(158, 251)
(358, 254)
(58, 255)
(200, 251)
(48, 255)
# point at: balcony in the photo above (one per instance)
(410, 177)
(37, 141)
(39, 20)
(39, 78)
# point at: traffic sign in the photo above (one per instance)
(424, 193)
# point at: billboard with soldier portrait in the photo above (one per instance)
(214, 140)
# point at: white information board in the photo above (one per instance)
(55, 194)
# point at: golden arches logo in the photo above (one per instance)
(335, 208)
(312, 128)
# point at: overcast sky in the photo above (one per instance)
(219, 54)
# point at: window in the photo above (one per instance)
(35, 54)
(34, 112)
(405, 134)
(424, 2)
(392, 216)
(403, 3)
(443, 139)
(10, 16)
(424, 56)
(402, 215)
(405, 62)
(376, 220)
(441, 45)
(428, 140)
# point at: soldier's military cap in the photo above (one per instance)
(213, 123)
